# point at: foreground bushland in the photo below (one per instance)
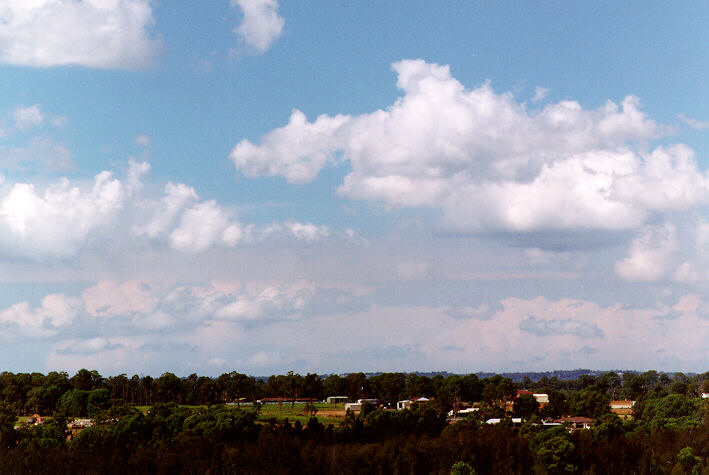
(669, 432)
(219, 439)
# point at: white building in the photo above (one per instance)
(406, 403)
(542, 399)
(336, 399)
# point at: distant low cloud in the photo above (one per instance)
(91, 33)
(544, 327)
(412, 269)
(676, 251)
(650, 254)
(212, 322)
(261, 25)
(118, 299)
(304, 231)
(55, 311)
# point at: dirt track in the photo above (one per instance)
(331, 413)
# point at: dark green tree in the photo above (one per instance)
(8, 418)
(525, 405)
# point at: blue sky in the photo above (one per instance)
(332, 186)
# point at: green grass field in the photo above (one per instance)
(327, 413)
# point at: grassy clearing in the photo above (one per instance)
(326, 414)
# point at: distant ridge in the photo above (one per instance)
(517, 377)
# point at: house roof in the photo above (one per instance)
(541, 397)
(575, 420)
(622, 403)
(497, 420)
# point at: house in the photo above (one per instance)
(80, 423)
(407, 403)
(467, 410)
(495, 420)
(575, 423)
(336, 399)
(242, 401)
(357, 406)
(705, 395)
(373, 402)
(623, 409)
(285, 400)
(35, 419)
(77, 425)
(542, 399)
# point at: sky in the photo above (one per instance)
(332, 186)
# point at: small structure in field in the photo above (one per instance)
(336, 399)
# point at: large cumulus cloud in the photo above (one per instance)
(486, 162)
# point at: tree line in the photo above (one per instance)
(587, 395)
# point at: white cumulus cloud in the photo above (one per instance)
(540, 93)
(201, 226)
(261, 25)
(113, 34)
(27, 117)
(486, 162)
(297, 151)
(57, 221)
(62, 219)
(694, 123)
